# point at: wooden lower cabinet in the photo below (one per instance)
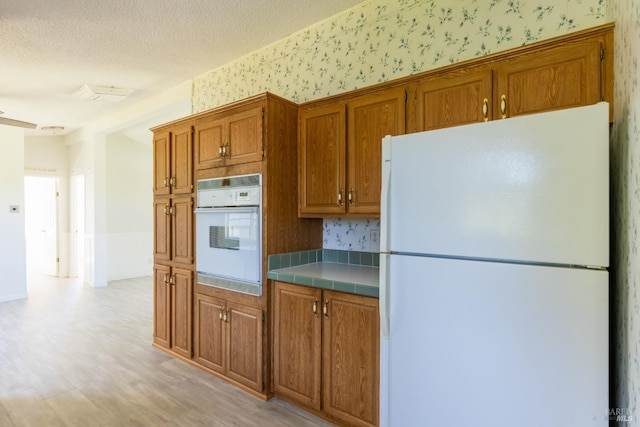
(326, 352)
(228, 340)
(173, 288)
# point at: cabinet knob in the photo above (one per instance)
(503, 106)
(485, 109)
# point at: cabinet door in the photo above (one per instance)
(181, 291)
(209, 141)
(161, 168)
(351, 358)
(162, 305)
(297, 343)
(563, 77)
(453, 99)
(209, 349)
(244, 139)
(182, 230)
(162, 229)
(181, 160)
(370, 118)
(321, 157)
(244, 343)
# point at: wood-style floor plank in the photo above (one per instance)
(72, 355)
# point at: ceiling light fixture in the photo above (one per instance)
(89, 92)
(54, 130)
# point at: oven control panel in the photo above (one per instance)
(226, 192)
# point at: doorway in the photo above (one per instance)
(41, 219)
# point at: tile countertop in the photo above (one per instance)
(346, 271)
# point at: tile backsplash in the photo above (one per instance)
(362, 234)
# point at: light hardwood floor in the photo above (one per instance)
(72, 355)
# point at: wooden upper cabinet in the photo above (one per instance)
(229, 138)
(161, 166)
(453, 99)
(369, 119)
(340, 152)
(563, 77)
(209, 140)
(172, 160)
(321, 160)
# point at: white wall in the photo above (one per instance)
(12, 241)
(129, 211)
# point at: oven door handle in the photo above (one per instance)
(227, 209)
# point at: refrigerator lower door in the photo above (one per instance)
(494, 344)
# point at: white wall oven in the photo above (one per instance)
(228, 233)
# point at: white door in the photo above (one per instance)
(41, 216)
(494, 344)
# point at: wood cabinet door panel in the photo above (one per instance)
(181, 331)
(182, 230)
(162, 229)
(454, 99)
(321, 157)
(351, 358)
(370, 119)
(563, 77)
(244, 137)
(209, 348)
(181, 159)
(161, 168)
(209, 139)
(244, 343)
(162, 305)
(297, 343)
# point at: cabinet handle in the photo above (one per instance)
(315, 307)
(165, 181)
(503, 106)
(220, 314)
(226, 149)
(325, 309)
(485, 109)
(220, 151)
(166, 278)
(172, 280)
(166, 208)
(340, 197)
(224, 316)
(351, 197)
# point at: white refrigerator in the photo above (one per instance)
(493, 279)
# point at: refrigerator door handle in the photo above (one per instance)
(384, 194)
(383, 299)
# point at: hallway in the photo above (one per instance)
(72, 355)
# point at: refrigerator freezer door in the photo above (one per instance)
(493, 344)
(532, 188)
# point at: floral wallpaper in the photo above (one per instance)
(625, 176)
(380, 40)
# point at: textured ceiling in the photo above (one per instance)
(49, 48)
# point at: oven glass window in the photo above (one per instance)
(239, 227)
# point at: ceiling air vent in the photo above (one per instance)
(88, 92)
